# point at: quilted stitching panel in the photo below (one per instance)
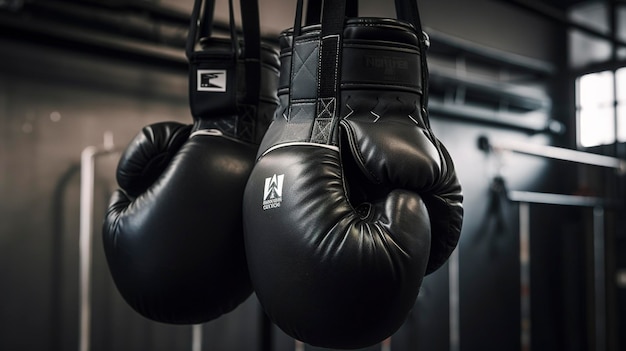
(326, 108)
(300, 123)
(322, 130)
(228, 125)
(305, 64)
(299, 113)
(246, 124)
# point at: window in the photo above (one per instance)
(601, 108)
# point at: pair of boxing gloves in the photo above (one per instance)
(333, 214)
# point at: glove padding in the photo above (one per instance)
(173, 234)
(344, 216)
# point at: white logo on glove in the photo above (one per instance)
(273, 191)
(212, 80)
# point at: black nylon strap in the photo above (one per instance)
(297, 25)
(407, 10)
(333, 18)
(314, 13)
(192, 36)
(352, 8)
(252, 52)
(251, 27)
(333, 14)
(201, 27)
(234, 40)
(206, 25)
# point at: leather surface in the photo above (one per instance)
(173, 233)
(225, 110)
(176, 250)
(353, 200)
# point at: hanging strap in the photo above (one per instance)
(334, 13)
(314, 11)
(407, 10)
(192, 36)
(252, 52)
(201, 27)
(206, 24)
(333, 19)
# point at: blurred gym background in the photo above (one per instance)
(528, 96)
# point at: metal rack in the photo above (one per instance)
(525, 199)
(85, 239)
(553, 152)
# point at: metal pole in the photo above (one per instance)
(298, 345)
(555, 199)
(84, 240)
(524, 258)
(87, 174)
(554, 153)
(599, 279)
(386, 344)
(599, 260)
(454, 301)
(196, 337)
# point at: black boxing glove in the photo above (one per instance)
(173, 233)
(353, 199)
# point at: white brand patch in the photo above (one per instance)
(212, 80)
(273, 191)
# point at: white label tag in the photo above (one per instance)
(212, 80)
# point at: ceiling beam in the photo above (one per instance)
(561, 17)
